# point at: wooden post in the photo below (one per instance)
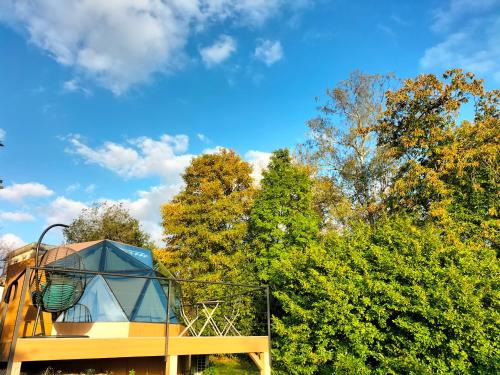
(13, 368)
(266, 363)
(171, 365)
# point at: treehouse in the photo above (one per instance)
(104, 305)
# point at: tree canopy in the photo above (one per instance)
(206, 223)
(107, 221)
(379, 243)
(342, 145)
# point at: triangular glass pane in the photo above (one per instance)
(142, 255)
(127, 291)
(117, 260)
(100, 302)
(92, 257)
(153, 305)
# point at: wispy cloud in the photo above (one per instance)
(203, 138)
(74, 85)
(387, 30)
(470, 32)
(269, 51)
(16, 216)
(451, 15)
(218, 52)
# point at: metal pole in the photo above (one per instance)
(37, 250)
(37, 286)
(269, 326)
(17, 324)
(167, 320)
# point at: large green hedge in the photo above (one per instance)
(390, 298)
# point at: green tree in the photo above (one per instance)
(206, 223)
(283, 233)
(107, 221)
(342, 147)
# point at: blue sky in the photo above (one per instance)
(109, 100)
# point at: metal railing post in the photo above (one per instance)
(19, 316)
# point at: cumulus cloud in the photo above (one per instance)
(120, 43)
(16, 216)
(470, 32)
(259, 161)
(269, 51)
(18, 192)
(9, 241)
(139, 157)
(219, 51)
(146, 208)
(63, 210)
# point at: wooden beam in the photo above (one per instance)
(47, 349)
(217, 345)
(256, 359)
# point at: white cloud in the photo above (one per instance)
(448, 16)
(269, 51)
(219, 51)
(63, 210)
(213, 150)
(9, 241)
(259, 161)
(120, 43)
(146, 208)
(140, 157)
(16, 216)
(74, 85)
(73, 187)
(19, 192)
(203, 138)
(470, 32)
(90, 188)
(3, 134)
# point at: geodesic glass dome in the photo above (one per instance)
(129, 295)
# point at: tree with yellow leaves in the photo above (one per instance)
(448, 170)
(205, 224)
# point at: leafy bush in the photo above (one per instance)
(393, 298)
